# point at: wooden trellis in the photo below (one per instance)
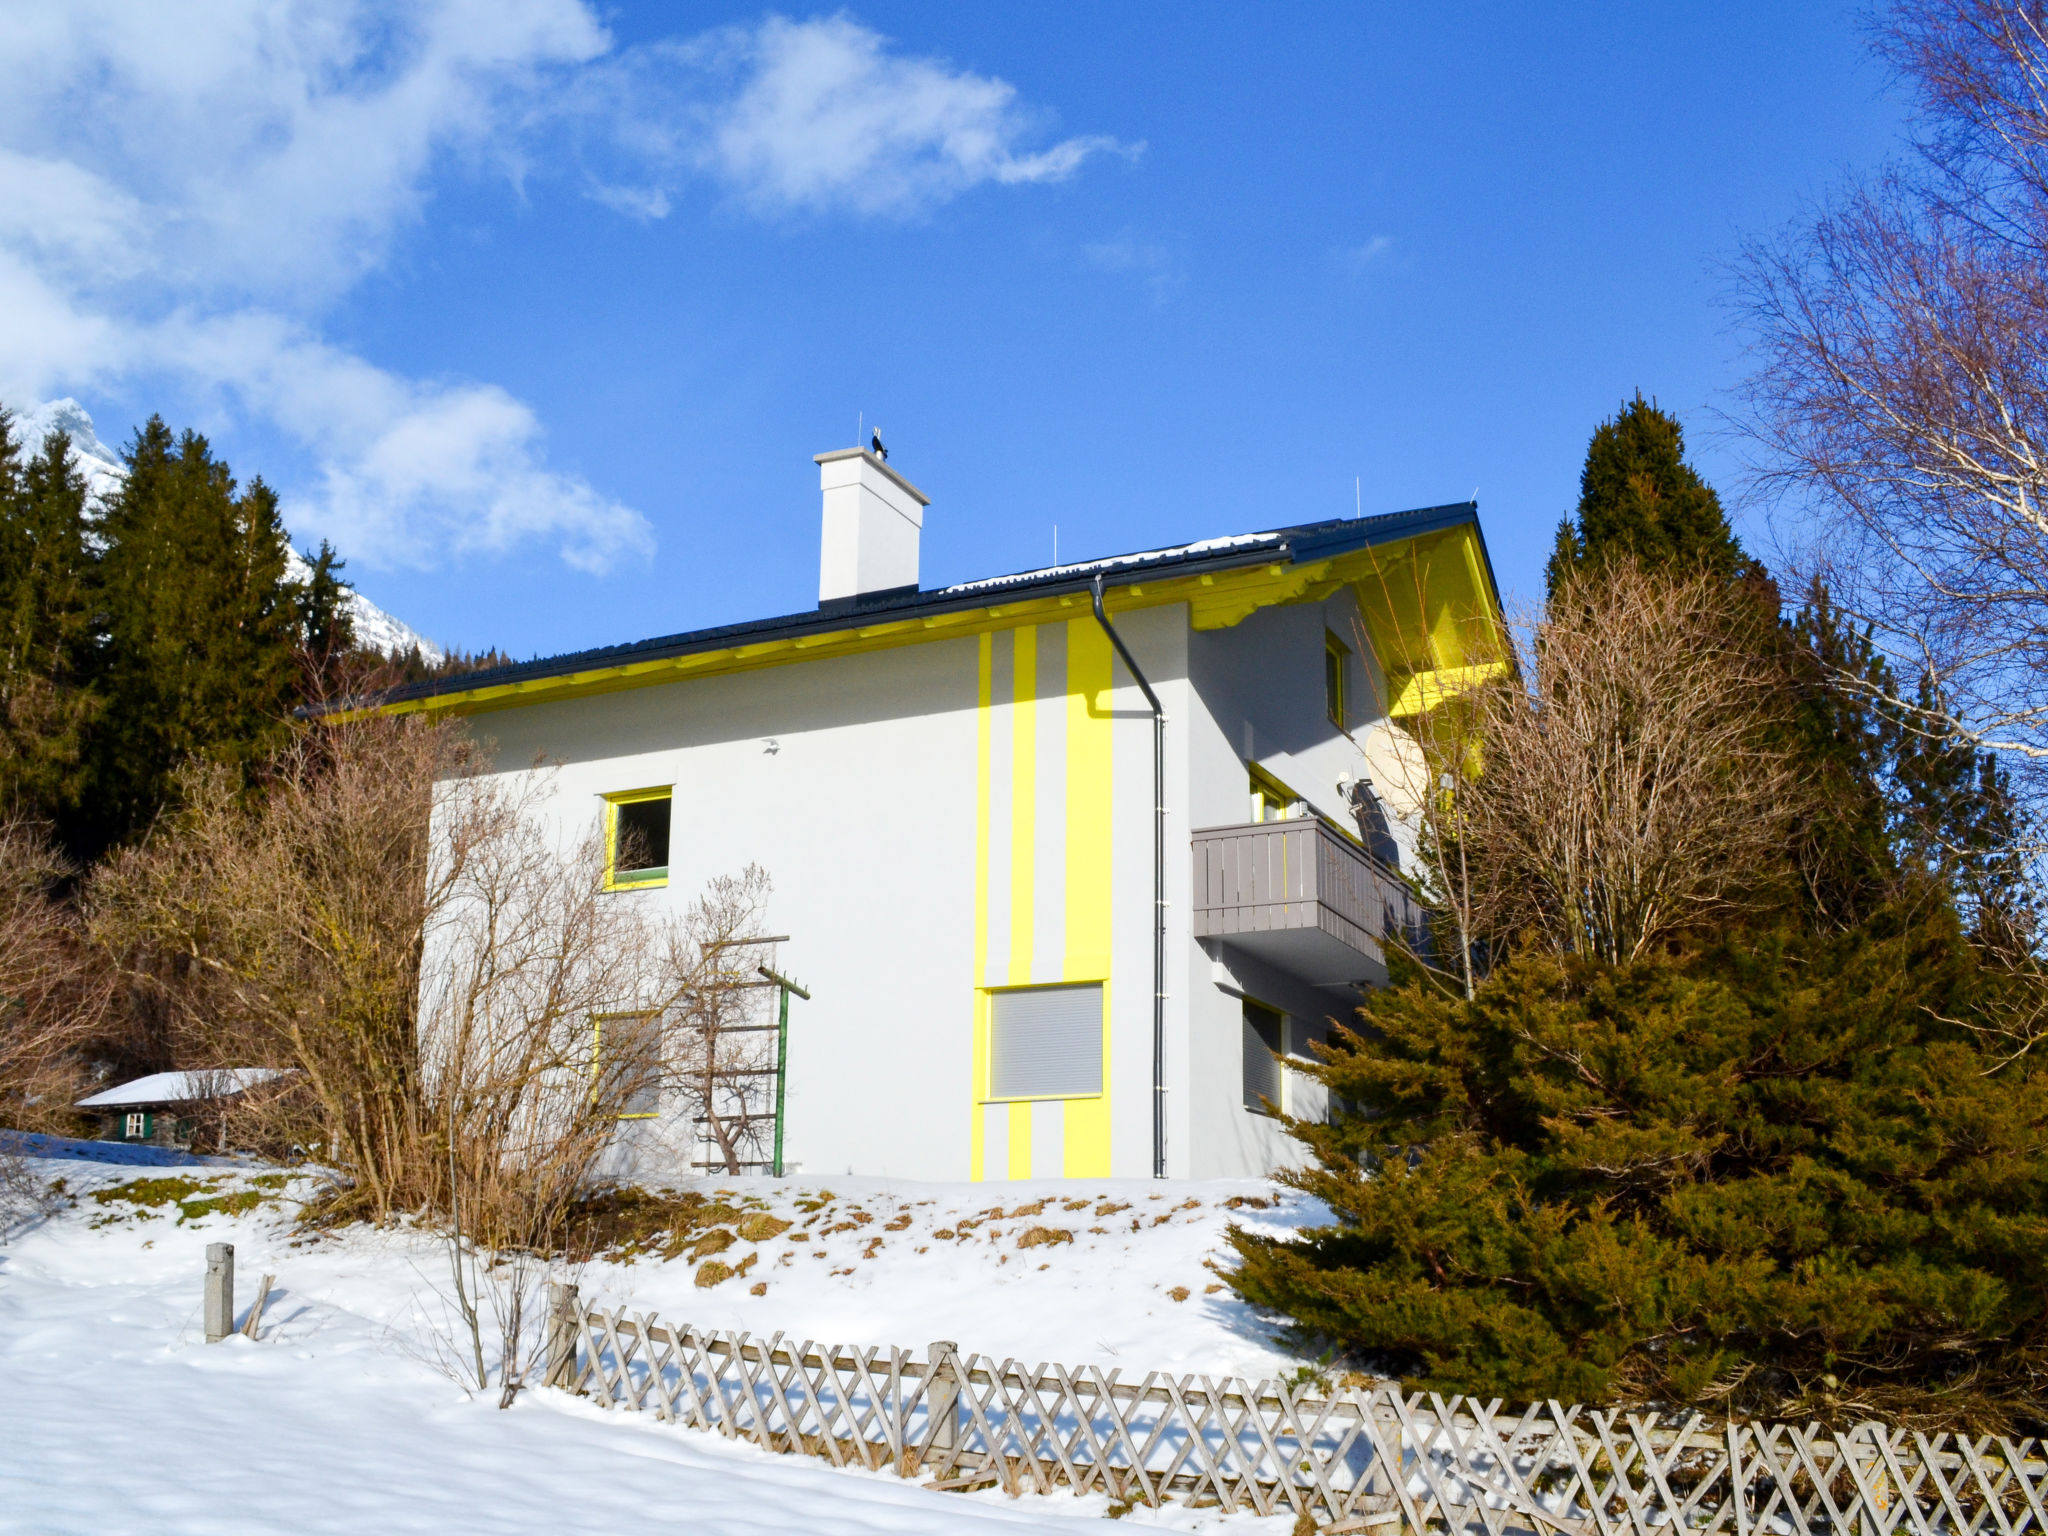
(1354, 1460)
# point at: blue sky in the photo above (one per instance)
(538, 310)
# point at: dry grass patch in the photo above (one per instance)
(1043, 1237)
(715, 1241)
(626, 1223)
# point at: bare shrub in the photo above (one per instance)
(1629, 791)
(55, 992)
(716, 1032)
(523, 949)
(405, 934)
(284, 930)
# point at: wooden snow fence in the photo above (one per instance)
(1376, 1459)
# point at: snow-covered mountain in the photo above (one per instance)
(104, 472)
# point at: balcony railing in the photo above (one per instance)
(1301, 896)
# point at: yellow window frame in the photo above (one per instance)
(597, 1024)
(987, 1013)
(1267, 791)
(612, 802)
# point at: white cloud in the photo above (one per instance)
(825, 116)
(186, 191)
(1148, 261)
(1356, 258)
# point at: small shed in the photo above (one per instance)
(162, 1110)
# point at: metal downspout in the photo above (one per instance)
(1158, 887)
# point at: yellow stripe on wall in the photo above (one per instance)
(1088, 850)
(1023, 804)
(1085, 893)
(983, 767)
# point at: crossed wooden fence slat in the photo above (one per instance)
(1354, 1460)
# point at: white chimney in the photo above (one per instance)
(873, 517)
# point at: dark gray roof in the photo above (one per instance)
(1301, 545)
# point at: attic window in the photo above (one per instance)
(1335, 654)
(636, 825)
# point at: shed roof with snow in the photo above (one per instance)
(180, 1087)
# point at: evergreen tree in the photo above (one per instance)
(46, 581)
(326, 630)
(1640, 500)
(201, 628)
(1782, 1179)
(1956, 820)
(1847, 743)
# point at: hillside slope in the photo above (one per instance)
(340, 1418)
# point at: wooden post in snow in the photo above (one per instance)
(220, 1291)
(561, 1360)
(941, 1397)
(254, 1321)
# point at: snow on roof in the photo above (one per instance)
(1121, 562)
(180, 1087)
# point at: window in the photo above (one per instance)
(625, 1066)
(1046, 1043)
(636, 838)
(135, 1127)
(1272, 800)
(1262, 1070)
(1335, 654)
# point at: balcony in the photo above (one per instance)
(1302, 897)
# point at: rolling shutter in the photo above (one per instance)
(1046, 1043)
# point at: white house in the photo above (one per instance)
(1048, 930)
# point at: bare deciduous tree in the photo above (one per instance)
(285, 931)
(54, 991)
(55, 1001)
(407, 936)
(1902, 392)
(1628, 791)
(720, 1059)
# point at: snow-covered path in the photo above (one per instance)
(114, 1415)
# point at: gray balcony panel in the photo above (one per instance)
(1299, 895)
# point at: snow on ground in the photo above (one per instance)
(116, 1415)
(895, 1262)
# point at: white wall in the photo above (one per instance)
(863, 812)
(853, 781)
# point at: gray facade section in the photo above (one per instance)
(1048, 1137)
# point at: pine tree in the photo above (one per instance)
(202, 628)
(46, 581)
(1640, 500)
